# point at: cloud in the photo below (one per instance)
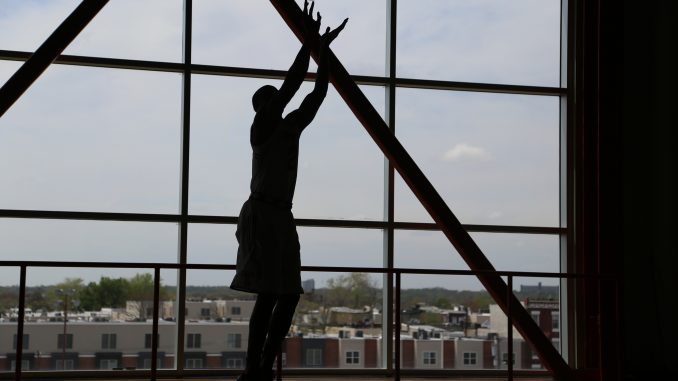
(465, 152)
(495, 215)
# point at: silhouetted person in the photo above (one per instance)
(268, 261)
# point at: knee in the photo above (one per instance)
(289, 301)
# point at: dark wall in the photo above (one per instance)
(649, 118)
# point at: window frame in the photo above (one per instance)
(195, 363)
(314, 357)
(110, 364)
(430, 358)
(352, 357)
(109, 341)
(25, 343)
(233, 340)
(60, 363)
(390, 82)
(148, 340)
(471, 359)
(193, 340)
(25, 365)
(68, 338)
(234, 363)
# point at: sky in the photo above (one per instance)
(108, 140)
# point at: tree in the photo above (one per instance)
(37, 299)
(354, 290)
(443, 303)
(141, 292)
(9, 297)
(69, 289)
(108, 292)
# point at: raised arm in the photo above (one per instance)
(297, 72)
(309, 107)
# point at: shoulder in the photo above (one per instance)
(291, 122)
(263, 126)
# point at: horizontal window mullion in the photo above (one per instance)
(337, 269)
(113, 63)
(117, 63)
(329, 223)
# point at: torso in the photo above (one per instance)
(275, 159)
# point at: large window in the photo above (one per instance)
(314, 357)
(430, 358)
(65, 341)
(352, 357)
(470, 358)
(24, 343)
(193, 340)
(109, 341)
(233, 340)
(131, 155)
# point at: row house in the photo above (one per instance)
(226, 310)
(210, 344)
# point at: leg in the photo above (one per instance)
(278, 328)
(259, 321)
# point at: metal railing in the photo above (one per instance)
(396, 371)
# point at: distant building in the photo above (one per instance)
(539, 291)
(213, 345)
(308, 285)
(218, 310)
(546, 313)
(339, 316)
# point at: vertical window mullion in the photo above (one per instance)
(566, 178)
(185, 147)
(391, 18)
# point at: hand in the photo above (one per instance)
(329, 35)
(311, 26)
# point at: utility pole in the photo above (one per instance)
(65, 294)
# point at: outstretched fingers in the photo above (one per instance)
(330, 35)
(311, 26)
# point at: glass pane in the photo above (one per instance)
(341, 247)
(26, 24)
(7, 69)
(132, 29)
(338, 323)
(340, 168)
(167, 326)
(218, 36)
(541, 299)
(87, 241)
(9, 310)
(212, 243)
(494, 158)
(89, 319)
(343, 311)
(217, 321)
(216, 243)
(92, 139)
(221, 115)
(511, 42)
(506, 252)
(445, 327)
(426, 249)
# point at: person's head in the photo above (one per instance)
(262, 95)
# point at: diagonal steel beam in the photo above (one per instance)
(48, 52)
(432, 201)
